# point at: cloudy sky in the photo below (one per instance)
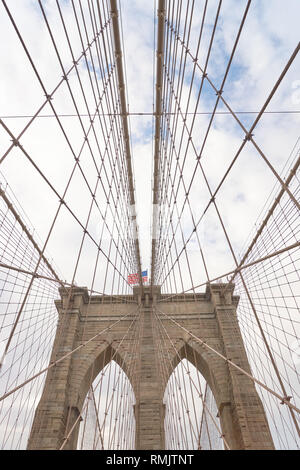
(268, 39)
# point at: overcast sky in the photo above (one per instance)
(269, 37)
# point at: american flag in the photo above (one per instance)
(134, 278)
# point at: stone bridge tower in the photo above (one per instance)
(209, 316)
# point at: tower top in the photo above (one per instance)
(146, 294)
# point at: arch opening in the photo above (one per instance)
(191, 420)
(108, 412)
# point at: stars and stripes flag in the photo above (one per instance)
(134, 278)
